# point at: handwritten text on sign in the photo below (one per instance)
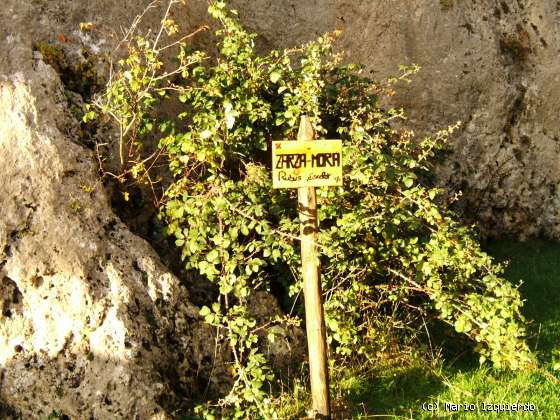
(314, 163)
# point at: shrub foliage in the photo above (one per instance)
(390, 251)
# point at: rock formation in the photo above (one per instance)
(92, 324)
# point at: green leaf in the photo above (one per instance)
(205, 311)
(408, 182)
(213, 256)
(275, 76)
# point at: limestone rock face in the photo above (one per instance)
(91, 325)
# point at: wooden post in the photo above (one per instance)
(314, 316)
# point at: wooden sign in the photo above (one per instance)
(297, 164)
(305, 164)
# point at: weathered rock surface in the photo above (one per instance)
(492, 65)
(92, 325)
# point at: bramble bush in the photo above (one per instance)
(391, 253)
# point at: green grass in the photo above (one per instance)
(400, 392)
(537, 264)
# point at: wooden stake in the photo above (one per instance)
(314, 316)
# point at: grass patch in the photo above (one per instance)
(537, 264)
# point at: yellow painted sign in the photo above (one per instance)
(315, 163)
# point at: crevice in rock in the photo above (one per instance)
(81, 79)
(515, 112)
(11, 298)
